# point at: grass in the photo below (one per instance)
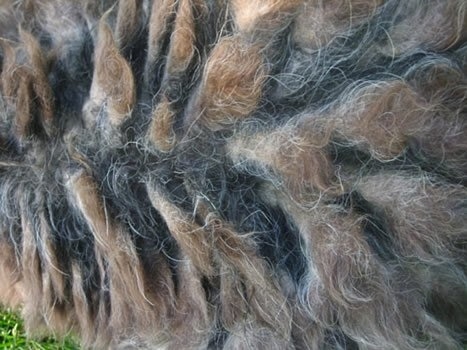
(12, 336)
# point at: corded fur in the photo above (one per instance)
(230, 174)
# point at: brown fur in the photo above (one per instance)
(319, 21)
(262, 16)
(12, 290)
(235, 174)
(113, 79)
(296, 154)
(182, 40)
(118, 260)
(162, 12)
(161, 131)
(43, 96)
(232, 83)
(128, 22)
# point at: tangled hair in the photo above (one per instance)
(235, 174)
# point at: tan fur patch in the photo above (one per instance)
(161, 14)
(128, 297)
(383, 119)
(128, 22)
(161, 131)
(298, 157)
(346, 282)
(84, 313)
(23, 116)
(9, 85)
(232, 84)
(12, 291)
(191, 309)
(40, 84)
(17, 90)
(242, 269)
(425, 238)
(190, 236)
(32, 277)
(182, 45)
(319, 21)
(113, 79)
(262, 15)
(51, 261)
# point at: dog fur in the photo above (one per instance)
(230, 174)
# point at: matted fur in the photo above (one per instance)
(230, 174)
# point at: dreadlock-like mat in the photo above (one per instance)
(235, 174)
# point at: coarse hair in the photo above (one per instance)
(235, 174)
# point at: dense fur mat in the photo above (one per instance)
(235, 174)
